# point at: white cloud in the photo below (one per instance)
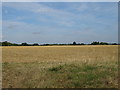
(36, 8)
(24, 32)
(60, 17)
(57, 17)
(81, 7)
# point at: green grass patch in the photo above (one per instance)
(56, 69)
(64, 75)
(83, 76)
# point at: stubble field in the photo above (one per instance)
(60, 66)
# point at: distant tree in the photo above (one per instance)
(14, 44)
(47, 44)
(0, 43)
(6, 43)
(35, 44)
(82, 44)
(74, 43)
(24, 44)
(95, 43)
(114, 44)
(103, 43)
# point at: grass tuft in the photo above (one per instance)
(56, 69)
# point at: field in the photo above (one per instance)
(60, 66)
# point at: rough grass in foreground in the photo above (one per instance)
(29, 75)
(60, 67)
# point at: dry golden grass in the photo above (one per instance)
(50, 66)
(59, 53)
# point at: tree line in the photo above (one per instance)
(6, 43)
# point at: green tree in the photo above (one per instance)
(35, 44)
(95, 43)
(103, 43)
(74, 43)
(24, 44)
(6, 43)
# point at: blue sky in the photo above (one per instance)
(60, 22)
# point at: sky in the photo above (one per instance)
(59, 22)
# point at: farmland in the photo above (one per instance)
(60, 66)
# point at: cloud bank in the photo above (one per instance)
(64, 22)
